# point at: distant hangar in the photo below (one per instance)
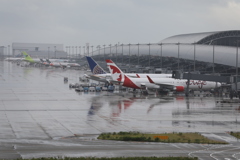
(40, 50)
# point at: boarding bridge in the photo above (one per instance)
(194, 76)
(235, 82)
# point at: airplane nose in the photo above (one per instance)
(219, 84)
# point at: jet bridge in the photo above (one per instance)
(214, 78)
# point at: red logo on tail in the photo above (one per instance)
(116, 70)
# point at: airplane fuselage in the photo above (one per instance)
(106, 77)
(170, 83)
(156, 83)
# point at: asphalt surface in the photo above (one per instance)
(41, 117)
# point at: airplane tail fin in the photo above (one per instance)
(48, 61)
(26, 56)
(116, 73)
(150, 80)
(95, 68)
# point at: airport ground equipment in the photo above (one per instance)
(91, 89)
(98, 89)
(65, 79)
(111, 88)
(85, 89)
(79, 89)
(83, 79)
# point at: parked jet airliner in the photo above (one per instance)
(157, 83)
(99, 74)
(30, 59)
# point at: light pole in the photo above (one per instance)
(213, 57)
(122, 53)
(79, 51)
(138, 53)
(84, 50)
(48, 52)
(116, 53)
(104, 52)
(161, 54)
(8, 50)
(72, 50)
(194, 56)
(149, 56)
(110, 46)
(98, 51)
(92, 50)
(88, 49)
(129, 56)
(76, 51)
(178, 53)
(237, 66)
(55, 51)
(67, 50)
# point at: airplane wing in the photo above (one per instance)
(132, 76)
(162, 85)
(96, 78)
(115, 82)
(101, 79)
(165, 85)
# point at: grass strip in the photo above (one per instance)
(117, 158)
(165, 138)
(235, 134)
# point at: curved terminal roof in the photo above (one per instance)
(221, 44)
(187, 38)
(205, 37)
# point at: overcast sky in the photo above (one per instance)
(98, 22)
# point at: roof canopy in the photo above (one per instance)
(224, 38)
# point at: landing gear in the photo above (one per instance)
(162, 92)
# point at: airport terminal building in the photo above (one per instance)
(206, 52)
(40, 50)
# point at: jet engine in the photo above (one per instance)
(143, 86)
(179, 88)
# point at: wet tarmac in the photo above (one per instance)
(41, 117)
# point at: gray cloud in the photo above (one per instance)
(76, 22)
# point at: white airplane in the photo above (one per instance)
(70, 64)
(12, 59)
(178, 85)
(29, 59)
(101, 75)
(58, 60)
(62, 64)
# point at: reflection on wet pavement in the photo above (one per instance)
(36, 104)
